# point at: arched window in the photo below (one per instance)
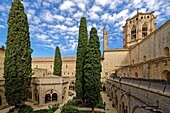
(144, 58)
(136, 74)
(133, 33)
(166, 51)
(144, 30)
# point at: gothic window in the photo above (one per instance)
(144, 30)
(133, 33)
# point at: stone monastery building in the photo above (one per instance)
(135, 77)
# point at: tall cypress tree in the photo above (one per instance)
(82, 43)
(57, 62)
(17, 64)
(92, 70)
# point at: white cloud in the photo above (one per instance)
(69, 21)
(102, 2)
(1, 26)
(53, 1)
(46, 4)
(109, 17)
(47, 16)
(50, 45)
(59, 17)
(93, 16)
(30, 13)
(112, 5)
(78, 15)
(26, 4)
(67, 5)
(2, 8)
(96, 8)
(41, 36)
(82, 6)
(36, 20)
(123, 13)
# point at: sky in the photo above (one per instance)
(56, 22)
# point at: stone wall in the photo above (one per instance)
(68, 65)
(138, 96)
(149, 58)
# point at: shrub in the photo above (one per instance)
(25, 109)
(54, 107)
(100, 104)
(70, 94)
(74, 102)
(69, 109)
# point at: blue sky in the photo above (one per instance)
(56, 22)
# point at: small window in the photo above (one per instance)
(133, 33)
(144, 58)
(136, 18)
(166, 51)
(147, 16)
(68, 73)
(144, 30)
(136, 75)
(130, 21)
(142, 17)
(72, 73)
(66, 66)
(133, 62)
(51, 66)
(43, 74)
(64, 73)
(36, 66)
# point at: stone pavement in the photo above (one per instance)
(109, 108)
(6, 109)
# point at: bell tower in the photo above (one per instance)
(138, 27)
(105, 39)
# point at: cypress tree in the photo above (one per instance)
(92, 70)
(57, 62)
(17, 64)
(82, 43)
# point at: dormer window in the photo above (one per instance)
(133, 33)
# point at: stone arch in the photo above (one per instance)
(166, 51)
(137, 109)
(72, 85)
(104, 88)
(124, 102)
(166, 76)
(36, 95)
(144, 30)
(54, 97)
(116, 99)
(136, 74)
(133, 33)
(47, 98)
(51, 96)
(64, 92)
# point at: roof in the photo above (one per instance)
(51, 59)
(50, 76)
